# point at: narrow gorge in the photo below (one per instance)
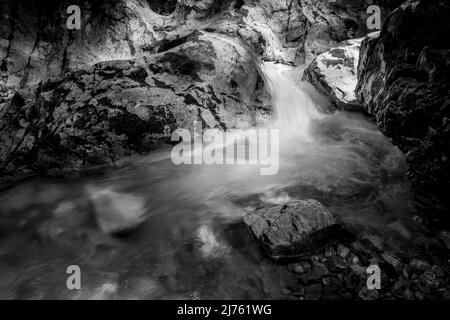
(358, 120)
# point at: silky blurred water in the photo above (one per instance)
(192, 243)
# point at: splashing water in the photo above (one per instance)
(192, 242)
(294, 108)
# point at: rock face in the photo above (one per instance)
(295, 30)
(334, 74)
(404, 82)
(139, 69)
(98, 115)
(35, 43)
(294, 229)
(116, 212)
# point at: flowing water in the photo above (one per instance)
(193, 243)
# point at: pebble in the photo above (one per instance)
(445, 237)
(318, 271)
(419, 295)
(366, 294)
(343, 251)
(313, 291)
(438, 271)
(329, 252)
(298, 268)
(286, 291)
(376, 242)
(336, 264)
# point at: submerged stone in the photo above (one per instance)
(334, 74)
(116, 212)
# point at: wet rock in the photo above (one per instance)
(331, 286)
(298, 268)
(138, 70)
(358, 270)
(313, 291)
(299, 292)
(301, 267)
(334, 74)
(286, 291)
(419, 295)
(343, 251)
(331, 22)
(394, 262)
(428, 282)
(317, 272)
(438, 271)
(403, 83)
(366, 294)
(329, 252)
(345, 294)
(295, 228)
(116, 212)
(354, 260)
(67, 220)
(107, 291)
(35, 45)
(408, 295)
(401, 290)
(336, 264)
(8, 277)
(445, 237)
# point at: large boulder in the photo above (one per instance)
(104, 113)
(404, 83)
(334, 74)
(294, 229)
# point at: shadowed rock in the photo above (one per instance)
(403, 81)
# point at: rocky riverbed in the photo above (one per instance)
(93, 110)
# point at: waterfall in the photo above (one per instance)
(294, 108)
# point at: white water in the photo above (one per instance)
(193, 242)
(294, 108)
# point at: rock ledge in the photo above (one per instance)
(294, 229)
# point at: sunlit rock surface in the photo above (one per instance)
(98, 115)
(294, 229)
(334, 74)
(404, 82)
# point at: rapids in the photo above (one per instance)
(192, 243)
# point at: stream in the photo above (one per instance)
(193, 243)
